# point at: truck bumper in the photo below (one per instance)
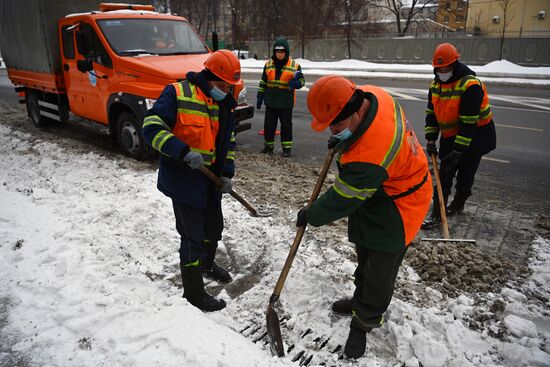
(243, 112)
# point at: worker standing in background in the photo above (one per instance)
(192, 125)
(458, 106)
(383, 186)
(280, 78)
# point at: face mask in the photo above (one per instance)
(217, 94)
(445, 76)
(344, 134)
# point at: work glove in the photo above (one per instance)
(332, 142)
(450, 161)
(226, 185)
(294, 84)
(431, 148)
(193, 160)
(259, 100)
(301, 217)
(298, 74)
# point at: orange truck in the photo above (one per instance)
(105, 62)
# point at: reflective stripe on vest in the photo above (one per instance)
(446, 101)
(286, 75)
(197, 120)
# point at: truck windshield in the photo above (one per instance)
(132, 37)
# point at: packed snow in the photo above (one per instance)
(90, 276)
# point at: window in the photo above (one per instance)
(446, 19)
(67, 37)
(459, 18)
(90, 46)
(448, 5)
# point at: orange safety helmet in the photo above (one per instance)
(444, 55)
(327, 98)
(226, 66)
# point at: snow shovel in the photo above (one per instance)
(442, 210)
(273, 327)
(218, 182)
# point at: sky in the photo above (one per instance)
(89, 268)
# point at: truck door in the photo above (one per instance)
(75, 81)
(97, 67)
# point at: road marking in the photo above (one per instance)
(402, 95)
(495, 160)
(520, 127)
(517, 100)
(518, 109)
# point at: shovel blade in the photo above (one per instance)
(274, 332)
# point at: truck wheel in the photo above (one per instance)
(33, 109)
(129, 136)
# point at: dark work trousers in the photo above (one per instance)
(465, 171)
(195, 225)
(270, 125)
(375, 281)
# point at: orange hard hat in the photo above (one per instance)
(444, 55)
(327, 98)
(226, 66)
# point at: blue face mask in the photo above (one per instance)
(217, 94)
(344, 134)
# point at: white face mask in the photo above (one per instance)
(445, 76)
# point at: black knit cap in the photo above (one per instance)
(353, 105)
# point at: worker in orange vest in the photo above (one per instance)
(383, 186)
(192, 125)
(458, 107)
(280, 78)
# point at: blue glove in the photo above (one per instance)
(298, 74)
(301, 217)
(294, 84)
(259, 100)
(193, 159)
(226, 186)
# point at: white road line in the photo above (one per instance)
(402, 95)
(515, 100)
(495, 160)
(520, 127)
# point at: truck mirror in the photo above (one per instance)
(84, 65)
(214, 41)
(82, 43)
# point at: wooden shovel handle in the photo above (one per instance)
(301, 229)
(442, 210)
(218, 182)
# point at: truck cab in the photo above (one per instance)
(115, 62)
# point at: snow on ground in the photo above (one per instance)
(502, 71)
(89, 274)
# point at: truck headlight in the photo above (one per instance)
(149, 103)
(242, 96)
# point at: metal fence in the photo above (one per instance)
(527, 51)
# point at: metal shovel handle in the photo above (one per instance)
(218, 182)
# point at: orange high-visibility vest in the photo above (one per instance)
(287, 74)
(197, 120)
(446, 101)
(390, 142)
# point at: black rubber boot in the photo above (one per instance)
(457, 205)
(193, 290)
(357, 341)
(286, 152)
(434, 220)
(343, 306)
(267, 150)
(209, 267)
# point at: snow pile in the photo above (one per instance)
(89, 274)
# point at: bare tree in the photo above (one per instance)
(351, 9)
(405, 11)
(507, 17)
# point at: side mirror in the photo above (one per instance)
(84, 65)
(215, 45)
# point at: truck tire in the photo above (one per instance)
(129, 137)
(33, 109)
